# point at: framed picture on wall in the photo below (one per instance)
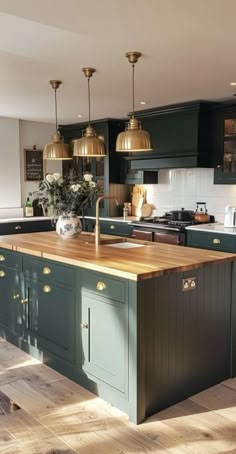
(34, 164)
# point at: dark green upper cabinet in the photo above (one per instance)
(106, 170)
(180, 137)
(224, 142)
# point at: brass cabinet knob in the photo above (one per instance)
(24, 301)
(2, 258)
(16, 296)
(112, 227)
(84, 325)
(100, 286)
(216, 241)
(47, 289)
(46, 270)
(18, 227)
(2, 273)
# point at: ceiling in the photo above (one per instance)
(188, 52)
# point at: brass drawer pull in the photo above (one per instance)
(18, 227)
(46, 270)
(2, 273)
(112, 227)
(47, 289)
(24, 301)
(84, 325)
(100, 286)
(2, 258)
(16, 296)
(216, 241)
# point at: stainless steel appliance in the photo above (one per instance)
(164, 229)
(230, 216)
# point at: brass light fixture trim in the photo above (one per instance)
(89, 145)
(133, 139)
(57, 149)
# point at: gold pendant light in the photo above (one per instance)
(133, 139)
(57, 149)
(89, 145)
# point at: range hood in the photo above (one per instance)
(180, 135)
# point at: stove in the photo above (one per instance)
(163, 229)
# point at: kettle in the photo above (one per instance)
(201, 214)
(230, 216)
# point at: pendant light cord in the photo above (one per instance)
(55, 90)
(89, 100)
(133, 86)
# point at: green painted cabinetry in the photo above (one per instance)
(49, 307)
(109, 227)
(223, 242)
(141, 345)
(10, 290)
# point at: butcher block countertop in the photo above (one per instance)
(136, 263)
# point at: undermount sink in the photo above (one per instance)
(124, 245)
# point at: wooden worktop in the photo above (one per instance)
(153, 259)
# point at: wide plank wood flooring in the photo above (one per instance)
(42, 412)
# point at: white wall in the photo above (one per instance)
(10, 191)
(182, 188)
(35, 133)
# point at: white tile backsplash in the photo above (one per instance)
(182, 188)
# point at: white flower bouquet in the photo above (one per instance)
(68, 194)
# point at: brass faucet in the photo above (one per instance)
(97, 225)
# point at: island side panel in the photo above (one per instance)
(233, 322)
(187, 334)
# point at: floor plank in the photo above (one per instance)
(57, 416)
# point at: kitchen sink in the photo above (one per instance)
(124, 245)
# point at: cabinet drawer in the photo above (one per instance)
(102, 285)
(10, 259)
(209, 240)
(26, 227)
(115, 228)
(49, 270)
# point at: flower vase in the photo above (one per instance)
(68, 225)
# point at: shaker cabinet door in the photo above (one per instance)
(104, 329)
(50, 317)
(10, 300)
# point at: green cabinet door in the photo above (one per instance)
(10, 301)
(104, 329)
(49, 313)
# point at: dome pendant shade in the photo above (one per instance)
(56, 149)
(89, 145)
(134, 139)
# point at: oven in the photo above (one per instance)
(158, 233)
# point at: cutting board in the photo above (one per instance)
(138, 196)
(146, 210)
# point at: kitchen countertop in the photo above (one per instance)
(214, 228)
(151, 260)
(25, 219)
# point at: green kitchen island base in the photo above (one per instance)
(142, 344)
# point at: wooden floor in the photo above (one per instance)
(57, 416)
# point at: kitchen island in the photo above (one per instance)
(143, 327)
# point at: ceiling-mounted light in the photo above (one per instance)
(57, 149)
(89, 144)
(133, 138)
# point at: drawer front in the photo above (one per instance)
(103, 285)
(115, 228)
(26, 227)
(10, 259)
(209, 240)
(48, 270)
(142, 235)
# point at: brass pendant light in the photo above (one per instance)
(133, 139)
(89, 145)
(57, 149)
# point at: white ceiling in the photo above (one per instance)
(188, 51)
